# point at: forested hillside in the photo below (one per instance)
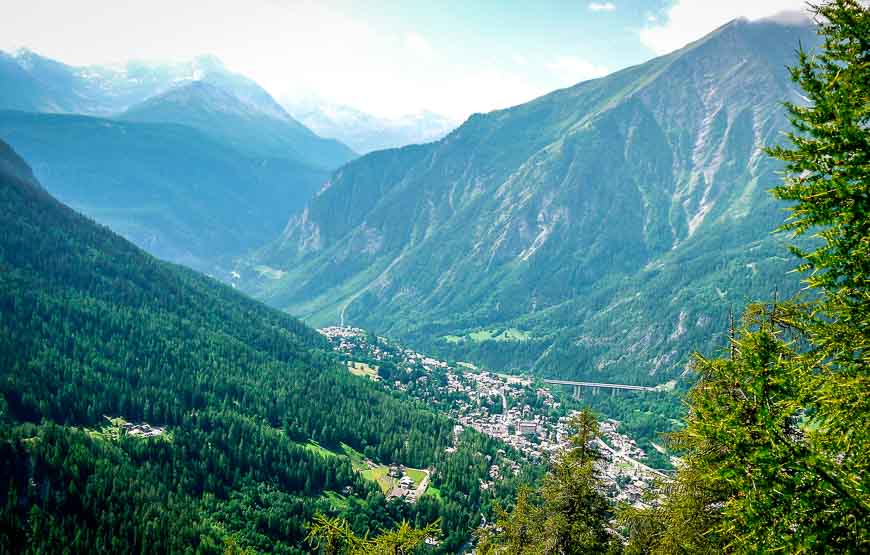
(600, 231)
(146, 408)
(170, 189)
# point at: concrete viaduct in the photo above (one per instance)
(595, 386)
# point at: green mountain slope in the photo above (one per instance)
(99, 339)
(241, 125)
(600, 231)
(168, 188)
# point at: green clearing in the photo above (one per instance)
(318, 449)
(415, 474)
(480, 336)
(337, 502)
(363, 369)
(114, 429)
(434, 492)
(380, 474)
(357, 459)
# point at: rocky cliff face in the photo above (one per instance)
(597, 221)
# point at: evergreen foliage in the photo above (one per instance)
(333, 536)
(567, 514)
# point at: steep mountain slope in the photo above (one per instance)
(37, 84)
(168, 188)
(365, 132)
(239, 124)
(144, 407)
(600, 231)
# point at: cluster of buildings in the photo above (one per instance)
(510, 408)
(121, 426)
(527, 429)
(349, 341)
(405, 488)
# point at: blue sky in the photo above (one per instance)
(385, 57)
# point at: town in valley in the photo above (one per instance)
(531, 419)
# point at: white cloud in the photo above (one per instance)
(688, 20)
(602, 6)
(417, 44)
(289, 47)
(486, 90)
(571, 69)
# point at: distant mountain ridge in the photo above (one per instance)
(214, 111)
(600, 231)
(171, 189)
(37, 84)
(190, 161)
(364, 132)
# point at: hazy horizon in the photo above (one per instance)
(387, 60)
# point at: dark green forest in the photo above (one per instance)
(93, 328)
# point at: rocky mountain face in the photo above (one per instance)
(365, 132)
(600, 231)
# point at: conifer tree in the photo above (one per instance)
(567, 514)
(334, 536)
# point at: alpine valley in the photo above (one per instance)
(187, 411)
(601, 231)
(627, 316)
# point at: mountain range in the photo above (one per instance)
(365, 132)
(171, 189)
(241, 125)
(157, 92)
(190, 161)
(601, 231)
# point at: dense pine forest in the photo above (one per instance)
(96, 334)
